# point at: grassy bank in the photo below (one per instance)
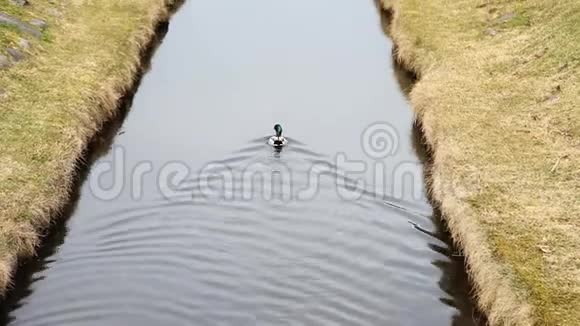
(499, 99)
(54, 100)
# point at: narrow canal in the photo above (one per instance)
(190, 218)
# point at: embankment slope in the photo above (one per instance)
(55, 99)
(498, 98)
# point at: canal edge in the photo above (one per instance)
(495, 291)
(111, 103)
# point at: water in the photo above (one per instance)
(191, 218)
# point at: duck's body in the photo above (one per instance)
(278, 140)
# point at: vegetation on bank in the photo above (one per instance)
(54, 100)
(499, 98)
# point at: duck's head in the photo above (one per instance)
(278, 129)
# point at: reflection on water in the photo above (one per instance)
(209, 227)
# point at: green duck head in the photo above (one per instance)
(278, 129)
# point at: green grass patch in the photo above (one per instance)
(56, 100)
(498, 98)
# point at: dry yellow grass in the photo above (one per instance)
(56, 100)
(498, 98)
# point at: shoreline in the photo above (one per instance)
(21, 229)
(482, 270)
(510, 264)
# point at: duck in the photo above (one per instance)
(278, 140)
